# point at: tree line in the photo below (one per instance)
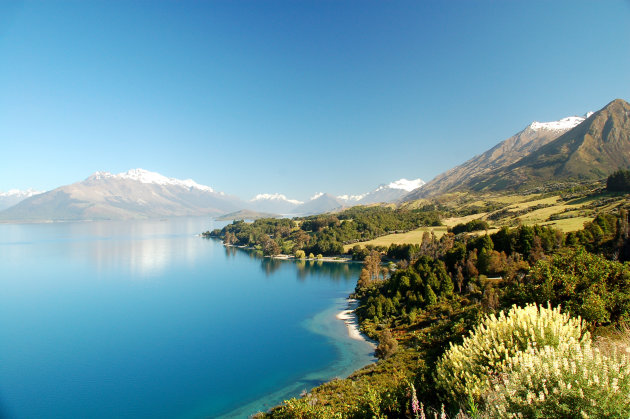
(323, 234)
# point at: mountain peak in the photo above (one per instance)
(352, 198)
(563, 124)
(275, 197)
(19, 193)
(148, 177)
(137, 193)
(98, 175)
(407, 185)
(14, 196)
(590, 151)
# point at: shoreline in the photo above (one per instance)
(351, 321)
(355, 351)
(336, 259)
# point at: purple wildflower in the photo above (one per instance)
(415, 406)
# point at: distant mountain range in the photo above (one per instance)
(391, 192)
(140, 193)
(274, 203)
(572, 149)
(324, 202)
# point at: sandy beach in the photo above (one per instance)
(352, 322)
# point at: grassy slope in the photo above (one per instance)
(412, 237)
(530, 209)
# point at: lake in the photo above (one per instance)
(147, 319)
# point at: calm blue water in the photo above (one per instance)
(145, 319)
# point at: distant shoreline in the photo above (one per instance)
(336, 259)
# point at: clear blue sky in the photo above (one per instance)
(292, 96)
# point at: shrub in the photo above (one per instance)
(585, 284)
(387, 345)
(464, 370)
(474, 225)
(571, 380)
(299, 254)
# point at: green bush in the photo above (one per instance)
(300, 254)
(465, 370)
(387, 345)
(585, 284)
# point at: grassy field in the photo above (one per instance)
(410, 237)
(513, 210)
(569, 224)
(453, 221)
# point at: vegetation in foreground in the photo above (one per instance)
(551, 310)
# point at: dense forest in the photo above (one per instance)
(323, 234)
(525, 322)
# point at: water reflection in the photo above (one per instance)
(136, 308)
(335, 271)
(329, 271)
(138, 248)
(269, 265)
(230, 251)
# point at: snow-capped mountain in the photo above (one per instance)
(561, 125)
(274, 203)
(320, 203)
(390, 192)
(140, 193)
(137, 193)
(14, 196)
(145, 176)
(507, 152)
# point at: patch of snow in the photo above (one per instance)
(588, 114)
(100, 175)
(19, 193)
(407, 185)
(564, 124)
(352, 197)
(317, 195)
(275, 197)
(145, 176)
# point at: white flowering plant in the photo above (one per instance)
(466, 370)
(571, 380)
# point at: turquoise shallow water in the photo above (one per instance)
(146, 319)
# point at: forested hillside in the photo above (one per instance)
(323, 234)
(422, 309)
